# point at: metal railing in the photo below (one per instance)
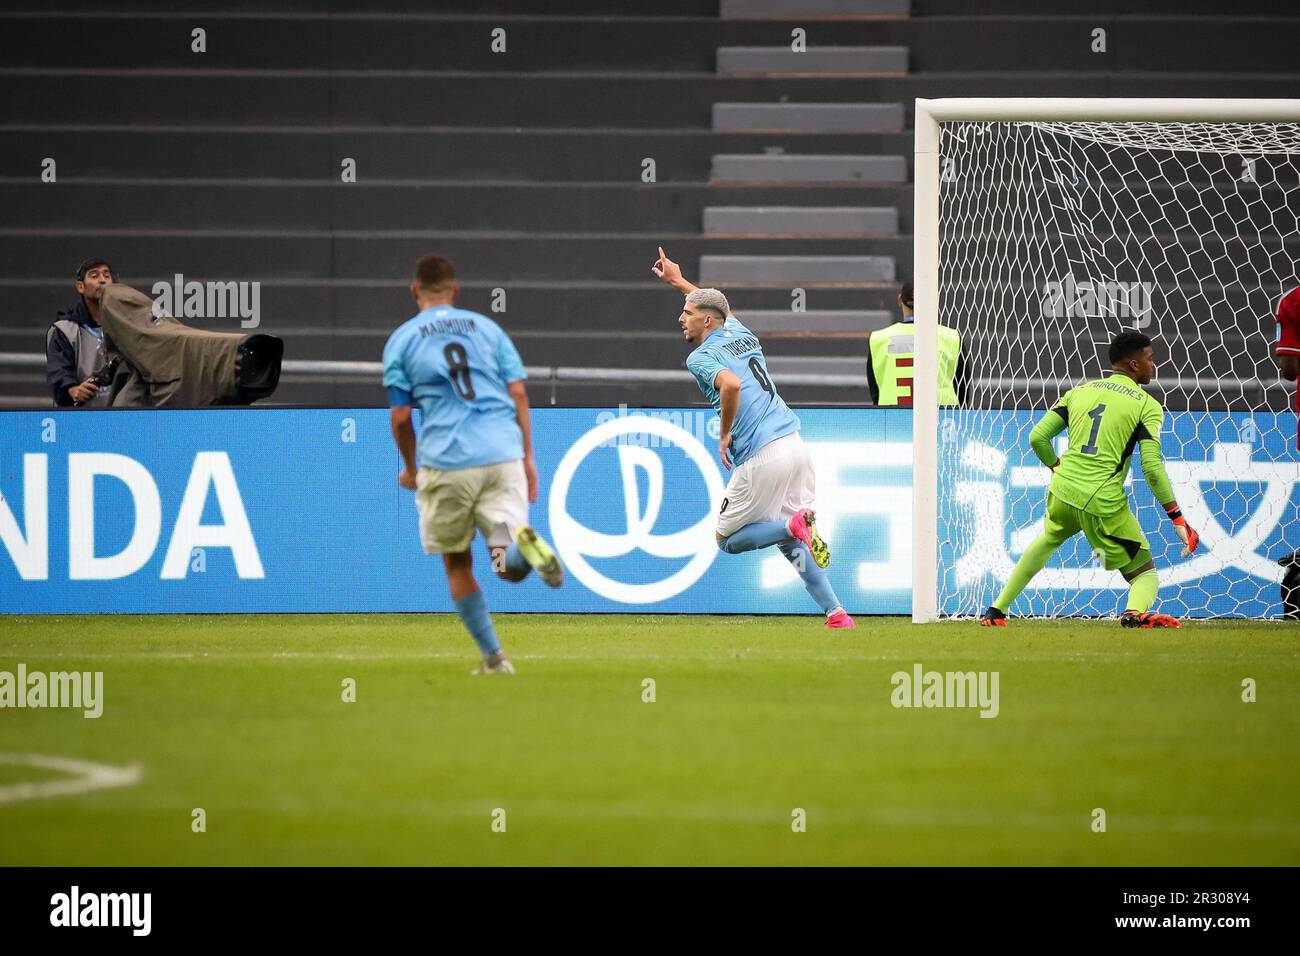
(569, 374)
(547, 373)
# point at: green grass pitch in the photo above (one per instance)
(243, 717)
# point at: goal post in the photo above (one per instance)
(1142, 157)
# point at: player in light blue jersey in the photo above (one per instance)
(474, 452)
(769, 496)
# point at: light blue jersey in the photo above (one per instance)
(763, 415)
(455, 365)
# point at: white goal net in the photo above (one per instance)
(1054, 237)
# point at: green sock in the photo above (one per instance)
(1142, 591)
(1030, 563)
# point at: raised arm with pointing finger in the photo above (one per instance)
(671, 273)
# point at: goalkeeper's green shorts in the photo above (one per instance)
(1117, 537)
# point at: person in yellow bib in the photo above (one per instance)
(889, 369)
(1106, 419)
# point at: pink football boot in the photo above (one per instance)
(839, 618)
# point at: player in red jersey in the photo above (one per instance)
(1288, 341)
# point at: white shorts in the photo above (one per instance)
(771, 486)
(493, 498)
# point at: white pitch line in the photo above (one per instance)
(86, 776)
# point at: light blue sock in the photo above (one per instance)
(760, 534)
(515, 562)
(814, 578)
(473, 611)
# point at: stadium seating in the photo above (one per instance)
(773, 169)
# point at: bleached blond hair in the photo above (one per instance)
(710, 299)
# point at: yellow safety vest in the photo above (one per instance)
(892, 350)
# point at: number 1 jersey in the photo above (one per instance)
(763, 415)
(455, 365)
(1106, 419)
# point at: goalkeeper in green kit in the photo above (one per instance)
(1106, 419)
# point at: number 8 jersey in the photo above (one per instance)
(1106, 419)
(455, 365)
(763, 415)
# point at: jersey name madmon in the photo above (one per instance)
(456, 366)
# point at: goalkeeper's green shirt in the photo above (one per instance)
(1106, 420)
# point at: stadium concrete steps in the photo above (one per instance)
(407, 154)
(345, 9)
(744, 267)
(785, 324)
(798, 9)
(801, 270)
(730, 9)
(1172, 43)
(1137, 43)
(580, 100)
(813, 60)
(780, 365)
(807, 117)
(366, 40)
(455, 206)
(243, 256)
(802, 220)
(535, 99)
(1164, 8)
(435, 208)
(788, 170)
(627, 38)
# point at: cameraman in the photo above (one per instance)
(74, 345)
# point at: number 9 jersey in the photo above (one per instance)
(763, 415)
(455, 365)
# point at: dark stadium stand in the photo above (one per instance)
(773, 170)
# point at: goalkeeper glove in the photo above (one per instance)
(1186, 533)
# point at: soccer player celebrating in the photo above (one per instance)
(769, 496)
(475, 449)
(1106, 418)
